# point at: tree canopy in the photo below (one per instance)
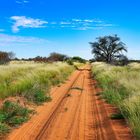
(108, 48)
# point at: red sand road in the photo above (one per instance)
(75, 113)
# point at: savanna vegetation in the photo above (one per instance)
(121, 87)
(30, 82)
(11, 115)
(53, 57)
(26, 82)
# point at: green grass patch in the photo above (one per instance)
(11, 115)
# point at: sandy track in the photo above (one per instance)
(75, 113)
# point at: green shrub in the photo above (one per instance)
(70, 62)
(17, 120)
(11, 109)
(40, 97)
(12, 113)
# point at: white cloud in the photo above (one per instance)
(26, 22)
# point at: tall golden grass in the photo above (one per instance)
(29, 79)
(121, 86)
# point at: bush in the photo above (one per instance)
(78, 59)
(70, 62)
(40, 97)
(16, 120)
(13, 114)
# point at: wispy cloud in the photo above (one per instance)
(65, 23)
(105, 25)
(5, 38)
(22, 1)
(74, 24)
(26, 22)
(13, 40)
(87, 20)
(25, 46)
(88, 28)
(25, 1)
(85, 24)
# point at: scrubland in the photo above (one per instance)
(121, 87)
(28, 81)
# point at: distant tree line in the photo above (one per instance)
(133, 60)
(5, 57)
(53, 57)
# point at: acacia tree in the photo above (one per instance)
(108, 48)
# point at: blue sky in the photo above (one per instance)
(37, 27)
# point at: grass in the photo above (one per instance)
(11, 115)
(121, 87)
(32, 80)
